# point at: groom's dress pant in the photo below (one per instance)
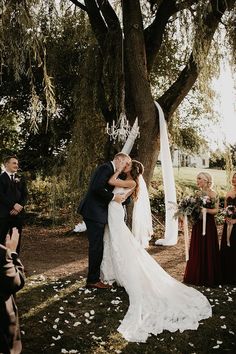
(95, 232)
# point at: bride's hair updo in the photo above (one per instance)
(137, 169)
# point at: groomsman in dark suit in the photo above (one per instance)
(13, 196)
(94, 209)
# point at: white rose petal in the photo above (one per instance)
(54, 326)
(66, 321)
(216, 347)
(222, 317)
(87, 321)
(87, 291)
(60, 331)
(73, 351)
(61, 312)
(56, 338)
(23, 333)
(191, 344)
(219, 342)
(223, 327)
(64, 351)
(57, 320)
(52, 344)
(76, 324)
(231, 332)
(87, 314)
(72, 314)
(92, 312)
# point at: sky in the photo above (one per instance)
(225, 105)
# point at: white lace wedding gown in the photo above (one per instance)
(156, 300)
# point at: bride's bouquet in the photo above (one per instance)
(229, 213)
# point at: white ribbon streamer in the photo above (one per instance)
(186, 238)
(204, 212)
(131, 138)
(171, 224)
(229, 230)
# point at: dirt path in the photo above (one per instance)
(57, 252)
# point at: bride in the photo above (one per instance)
(156, 300)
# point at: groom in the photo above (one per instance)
(94, 209)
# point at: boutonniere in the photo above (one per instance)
(17, 178)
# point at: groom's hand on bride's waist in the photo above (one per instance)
(119, 198)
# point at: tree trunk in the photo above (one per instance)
(139, 86)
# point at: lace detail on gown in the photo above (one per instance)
(156, 300)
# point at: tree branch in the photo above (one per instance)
(154, 33)
(78, 4)
(97, 22)
(180, 88)
(109, 14)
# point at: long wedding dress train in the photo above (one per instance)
(156, 300)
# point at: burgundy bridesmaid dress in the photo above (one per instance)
(203, 266)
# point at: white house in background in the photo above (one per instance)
(183, 159)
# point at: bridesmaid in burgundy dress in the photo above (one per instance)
(228, 252)
(203, 266)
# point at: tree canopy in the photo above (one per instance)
(71, 67)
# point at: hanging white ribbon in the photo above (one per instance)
(171, 224)
(131, 138)
(229, 230)
(204, 213)
(186, 238)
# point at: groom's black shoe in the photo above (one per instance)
(98, 285)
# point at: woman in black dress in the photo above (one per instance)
(228, 247)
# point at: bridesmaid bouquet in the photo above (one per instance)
(230, 213)
(207, 202)
(186, 206)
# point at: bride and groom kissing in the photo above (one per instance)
(157, 301)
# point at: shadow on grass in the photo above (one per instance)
(61, 316)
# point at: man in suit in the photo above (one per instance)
(13, 196)
(94, 209)
(11, 280)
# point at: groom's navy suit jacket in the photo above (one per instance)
(94, 206)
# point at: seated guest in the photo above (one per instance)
(11, 281)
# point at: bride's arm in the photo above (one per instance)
(114, 181)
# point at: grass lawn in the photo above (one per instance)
(58, 315)
(61, 316)
(187, 176)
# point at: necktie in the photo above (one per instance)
(12, 178)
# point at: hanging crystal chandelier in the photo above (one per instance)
(120, 130)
